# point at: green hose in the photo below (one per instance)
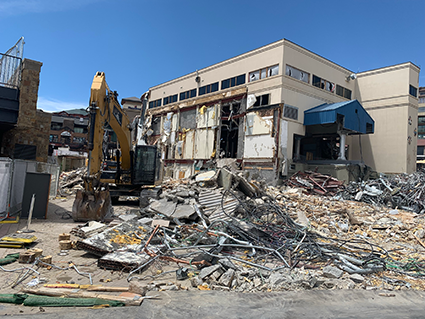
(9, 259)
(42, 301)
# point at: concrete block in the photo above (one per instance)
(226, 279)
(332, 272)
(207, 271)
(357, 278)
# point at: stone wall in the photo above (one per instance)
(33, 126)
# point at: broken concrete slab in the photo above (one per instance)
(357, 278)
(184, 212)
(163, 207)
(226, 278)
(207, 271)
(332, 272)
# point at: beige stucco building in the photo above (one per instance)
(251, 107)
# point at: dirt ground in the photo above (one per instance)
(47, 231)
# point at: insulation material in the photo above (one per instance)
(257, 125)
(182, 171)
(259, 146)
(114, 238)
(204, 143)
(188, 145)
(166, 127)
(251, 100)
(283, 135)
(207, 116)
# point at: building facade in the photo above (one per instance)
(69, 129)
(251, 108)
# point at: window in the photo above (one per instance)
(79, 130)
(291, 112)
(323, 84)
(26, 152)
(263, 73)
(53, 138)
(413, 91)
(155, 103)
(262, 100)
(421, 119)
(79, 140)
(422, 100)
(421, 129)
(208, 88)
(237, 80)
(344, 92)
(420, 150)
(297, 74)
(56, 126)
(170, 99)
(187, 95)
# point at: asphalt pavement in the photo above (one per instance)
(300, 304)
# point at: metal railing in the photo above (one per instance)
(11, 65)
(10, 71)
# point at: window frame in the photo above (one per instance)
(155, 103)
(233, 81)
(323, 84)
(299, 70)
(411, 87)
(209, 88)
(260, 72)
(261, 98)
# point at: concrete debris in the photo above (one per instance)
(332, 272)
(70, 182)
(219, 231)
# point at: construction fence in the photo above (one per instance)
(12, 182)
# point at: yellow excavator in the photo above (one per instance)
(134, 165)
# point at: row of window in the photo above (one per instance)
(55, 139)
(264, 73)
(213, 87)
(59, 126)
(318, 82)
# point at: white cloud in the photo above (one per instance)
(53, 105)
(17, 7)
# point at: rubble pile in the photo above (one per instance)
(315, 183)
(403, 191)
(280, 238)
(219, 231)
(70, 182)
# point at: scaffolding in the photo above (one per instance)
(11, 65)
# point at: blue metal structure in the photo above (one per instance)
(351, 116)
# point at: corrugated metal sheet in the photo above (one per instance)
(211, 202)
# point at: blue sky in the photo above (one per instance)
(139, 44)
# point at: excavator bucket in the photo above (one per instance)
(92, 206)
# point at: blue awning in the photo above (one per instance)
(350, 114)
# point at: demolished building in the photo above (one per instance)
(258, 109)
